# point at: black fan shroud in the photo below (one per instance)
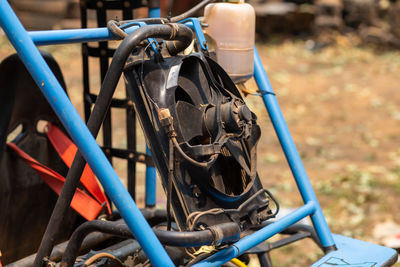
(209, 116)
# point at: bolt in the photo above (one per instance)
(196, 192)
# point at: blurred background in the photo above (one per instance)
(335, 68)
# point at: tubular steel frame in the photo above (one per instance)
(25, 44)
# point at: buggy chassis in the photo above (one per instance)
(338, 250)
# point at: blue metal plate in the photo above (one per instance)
(357, 253)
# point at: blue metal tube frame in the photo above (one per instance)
(256, 238)
(55, 37)
(291, 153)
(151, 185)
(80, 134)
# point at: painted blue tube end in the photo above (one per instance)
(154, 12)
(151, 184)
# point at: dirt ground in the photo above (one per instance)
(342, 107)
(343, 110)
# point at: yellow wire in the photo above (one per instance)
(238, 263)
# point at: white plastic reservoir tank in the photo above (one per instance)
(231, 26)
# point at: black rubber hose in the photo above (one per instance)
(89, 242)
(148, 21)
(222, 233)
(191, 11)
(118, 228)
(175, 19)
(213, 235)
(153, 217)
(182, 34)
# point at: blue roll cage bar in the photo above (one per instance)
(25, 44)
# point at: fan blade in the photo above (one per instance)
(190, 120)
(237, 152)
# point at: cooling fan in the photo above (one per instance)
(203, 140)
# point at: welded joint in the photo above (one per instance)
(313, 206)
(196, 26)
(237, 251)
